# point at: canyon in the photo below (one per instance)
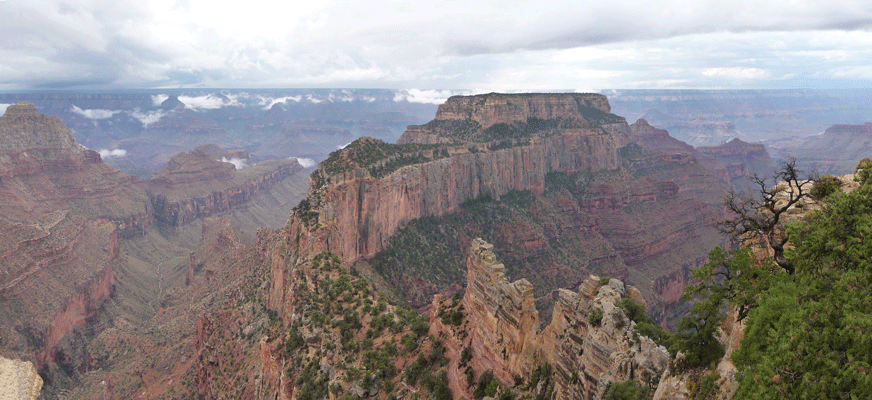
(169, 288)
(640, 215)
(79, 236)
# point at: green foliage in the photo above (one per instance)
(378, 157)
(605, 280)
(658, 335)
(304, 210)
(310, 383)
(809, 337)
(465, 356)
(634, 311)
(488, 385)
(628, 390)
(863, 171)
(596, 316)
(697, 335)
(706, 387)
(825, 186)
(543, 372)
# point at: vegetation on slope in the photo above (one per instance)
(471, 131)
(380, 158)
(432, 249)
(807, 326)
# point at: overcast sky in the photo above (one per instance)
(474, 45)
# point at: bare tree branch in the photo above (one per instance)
(757, 215)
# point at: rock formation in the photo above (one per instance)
(362, 194)
(837, 151)
(198, 184)
(63, 213)
(19, 380)
(586, 355)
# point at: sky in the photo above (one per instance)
(507, 46)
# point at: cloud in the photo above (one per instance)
(207, 102)
(342, 146)
(114, 153)
(158, 99)
(425, 96)
(3, 107)
(101, 44)
(147, 117)
(737, 73)
(95, 113)
(268, 102)
(239, 163)
(306, 162)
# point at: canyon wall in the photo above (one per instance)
(198, 185)
(353, 213)
(645, 214)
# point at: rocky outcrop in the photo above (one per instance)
(199, 184)
(587, 353)
(19, 380)
(506, 334)
(352, 211)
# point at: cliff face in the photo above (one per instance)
(635, 214)
(63, 213)
(198, 184)
(837, 151)
(43, 169)
(586, 357)
(732, 163)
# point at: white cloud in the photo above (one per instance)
(737, 73)
(313, 100)
(268, 102)
(306, 162)
(114, 153)
(95, 113)
(425, 96)
(4, 107)
(51, 44)
(342, 146)
(147, 117)
(207, 102)
(158, 99)
(239, 163)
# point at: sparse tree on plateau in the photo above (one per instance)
(757, 215)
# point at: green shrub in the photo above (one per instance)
(635, 312)
(596, 316)
(825, 186)
(628, 390)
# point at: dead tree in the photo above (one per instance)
(756, 215)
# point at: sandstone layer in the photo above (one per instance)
(198, 184)
(586, 356)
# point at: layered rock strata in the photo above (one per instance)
(199, 184)
(586, 356)
(352, 211)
